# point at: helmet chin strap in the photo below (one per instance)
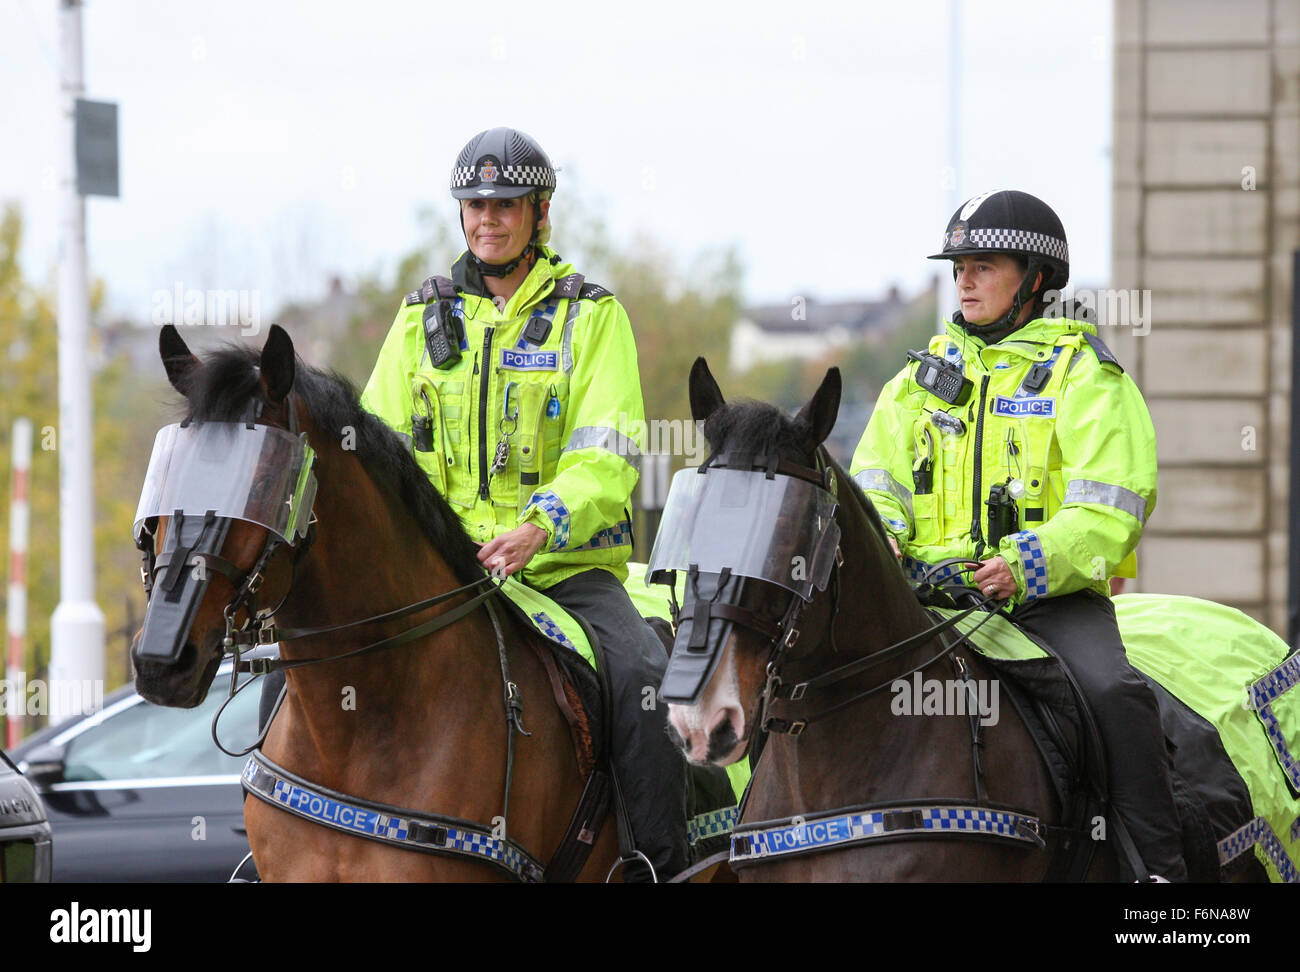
(506, 269)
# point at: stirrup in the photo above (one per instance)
(634, 856)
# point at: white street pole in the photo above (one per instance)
(77, 627)
(16, 610)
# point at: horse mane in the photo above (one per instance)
(228, 380)
(762, 429)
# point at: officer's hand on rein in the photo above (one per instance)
(894, 543)
(511, 551)
(995, 579)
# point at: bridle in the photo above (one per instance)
(431, 833)
(901, 819)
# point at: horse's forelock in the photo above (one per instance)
(223, 384)
(757, 428)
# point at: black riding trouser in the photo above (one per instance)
(650, 770)
(1082, 630)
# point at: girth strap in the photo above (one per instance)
(875, 823)
(395, 826)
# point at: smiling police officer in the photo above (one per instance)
(512, 378)
(1018, 440)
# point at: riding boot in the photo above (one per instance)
(650, 771)
(1081, 628)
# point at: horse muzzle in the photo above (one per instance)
(179, 589)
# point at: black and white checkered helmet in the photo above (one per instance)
(501, 163)
(1014, 222)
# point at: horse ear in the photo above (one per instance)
(824, 407)
(277, 365)
(706, 396)
(176, 358)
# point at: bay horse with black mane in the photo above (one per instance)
(411, 743)
(798, 625)
(861, 754)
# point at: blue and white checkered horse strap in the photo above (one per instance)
(1254, 832)
(390, 825)
(715, 823)
(797, 836)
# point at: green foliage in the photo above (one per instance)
(123, 437)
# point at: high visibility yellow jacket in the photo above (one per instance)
(1078, 441)
(564, 398)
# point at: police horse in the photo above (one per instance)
(420, 737)
(796, 622)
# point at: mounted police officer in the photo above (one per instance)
(1019, 441)
(513, 378)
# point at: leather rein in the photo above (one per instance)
(428, 832)
(858, 824)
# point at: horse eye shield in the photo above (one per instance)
(259, 474)
(780, 529)
(726, 525)
(204, 477)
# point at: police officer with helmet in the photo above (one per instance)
(513, 378)
(1017, 440)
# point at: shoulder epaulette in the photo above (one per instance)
(414, 298)
(576, 287)
(593, 291)
(1099, 348)
(434, 287)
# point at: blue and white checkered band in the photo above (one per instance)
(1034, 562)
(1022, 241)
(443, 835)
(1262, 693)
(554, 507)
(916, 571)
(549, 629)
(462, 175)
(1028, 407)
(712, 824)
(512, 360)
(616, 536)
(538, 176)
(805, 836)
(1259, 832)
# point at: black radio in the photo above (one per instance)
(941, 378)
(441, 334)
(1004, 517)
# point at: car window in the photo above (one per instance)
(149, 741)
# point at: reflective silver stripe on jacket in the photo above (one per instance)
(611, 440)
(881, 480)
(1091, 491)
(567, 348)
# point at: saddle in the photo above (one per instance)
(571, 653)
(1211, 798)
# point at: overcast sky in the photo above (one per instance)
(266, 145)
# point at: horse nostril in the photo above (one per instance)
(726, 734)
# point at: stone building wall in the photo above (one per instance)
(1206, 216)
